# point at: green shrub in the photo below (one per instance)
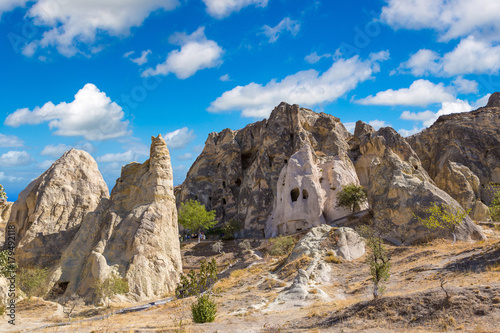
(31, 281)
(204, 310)
(281, 245)
(3, 195)
(351, 196)
(194, 283)
(495, 205)
(112, 285)
(5, 267)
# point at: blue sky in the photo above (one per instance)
(104, 76)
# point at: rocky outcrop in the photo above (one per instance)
(308, 187)
(398, 186)
(237, 172)
(5, 208)
(471, 139)
(133, 234)
(49, 212)
(464, 186)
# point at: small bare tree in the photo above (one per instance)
(69, 304)
(218, 246)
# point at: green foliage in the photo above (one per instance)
(32, 281)
(3, 195)
(195, 283)
(112, 285)
(231, 228)
(194, 216)
(351, 196)
(444, 217)
(5, 267)
(281, 245)
(378, 259)
(204, 310)
(245, 245)
(495, 205)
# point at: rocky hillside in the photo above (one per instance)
(282, 175)
(461, 152)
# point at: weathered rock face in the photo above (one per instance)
(133, 233)
(463, 185)
(237, 172)
(471, 139)
(399, 187)
(5, 208)
(48, 213)
(307, 192)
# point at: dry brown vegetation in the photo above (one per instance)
(414, 300)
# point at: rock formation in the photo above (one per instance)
(48, 213)
(307, 192)
(133, 234)
(398, 186)
(471, 140)
(5, 208)
(237, 172)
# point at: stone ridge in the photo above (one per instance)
(133, 234)
(49, 212)
(237, 172)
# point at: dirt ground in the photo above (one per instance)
(414, 300)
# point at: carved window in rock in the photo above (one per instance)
(223, 184)
(238, 182)
(223, 201)
(305, 194)
(294, 194)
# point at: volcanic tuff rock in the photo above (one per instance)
(133, 233)
(48, 213)
(237, 172)
(5, 208)
(308, 187)
(398, 186)
(471, 139)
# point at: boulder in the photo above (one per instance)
(237, 172)
(132, 234)
(49, 212)
(471, 139)
(399, 188)
(308, 187)
(464, 186)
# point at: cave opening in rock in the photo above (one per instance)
(223, 184)
(295, 193)
(246, 160)
(238, 182)
(305, 194)
(223, 201)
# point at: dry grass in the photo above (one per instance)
(291, 268)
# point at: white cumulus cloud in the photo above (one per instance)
(10, 179)
(307, 88)
(376, 124)
(10, 141)
(74, 23)
(451, 19)
(286, 24)
(179, 138)
(196, 53)
(470, 56)
(55, 150)
(420, 93)
(313, 57)
(8, 5)
(186, 156)
(15, 158)
(223, 8)
(142, 59)
(92, 115)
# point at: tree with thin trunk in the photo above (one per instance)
(351, 196)
(377, 259)
(444, 217)
(194, 216)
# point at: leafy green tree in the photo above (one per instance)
(194, 216)
(195, 283)
(281, 245)
(3, 195)
(495, 206)
(444, 217)
(112, 285)
(352, 196)
(378, 259)
(231, 229)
